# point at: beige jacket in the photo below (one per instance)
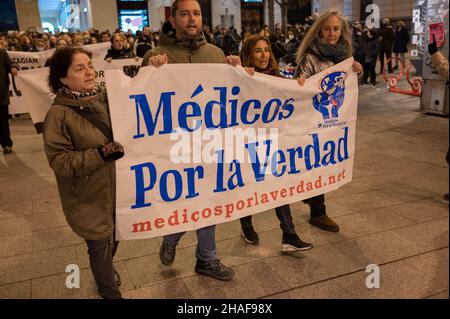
(441, 64)
(86, 183)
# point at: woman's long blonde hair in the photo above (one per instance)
(314, 32)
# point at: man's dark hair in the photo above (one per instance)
(174, 8)
(60, 63)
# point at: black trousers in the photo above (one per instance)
(388, 55)
(369, 70)
(5, 137)
(101, 254)
(317, 209)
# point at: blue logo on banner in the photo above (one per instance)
(331, 99)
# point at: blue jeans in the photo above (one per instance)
(206, 243)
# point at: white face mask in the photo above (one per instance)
(291, 37)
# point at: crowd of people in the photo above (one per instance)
(370, 46)
(83, 156)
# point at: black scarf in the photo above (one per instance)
(334, 53)
(65, 91)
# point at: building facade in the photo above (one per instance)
(250, 14)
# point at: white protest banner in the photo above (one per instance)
(25, 61)
(98, 49)
(34, 60)
(130, 67)
(207, 143)
(31, 86)
(35, 94)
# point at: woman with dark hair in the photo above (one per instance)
(257, 54)
(80, 149)
(327, 43)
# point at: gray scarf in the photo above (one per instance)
(334, 53)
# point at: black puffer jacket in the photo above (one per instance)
(371, 47)
(119, 54)
(387, 38)
(401, 40)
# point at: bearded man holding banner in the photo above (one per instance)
(182, 41)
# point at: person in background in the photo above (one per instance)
(78, 40)
(26, 45)
(370, 49)
(40, 45)
(144, 43)
(328, 42)
(81, 151)
(93, 40)
(358, 43)
(105, 36)
(6, 67)
(440, 63)
(278, 48)
(61, 43)
(52, 42)
(155, 36)
(292, 44)
(387, 42)
(68, 39)
(117, 50)
(401, 41)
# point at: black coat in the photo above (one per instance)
(5, 68)
(278, 50)
(401, 41)
(119, 54)
(144, 44)
(387, 38)
(370, 48)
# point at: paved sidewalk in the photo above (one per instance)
(392, 215)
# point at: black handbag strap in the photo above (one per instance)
(86, 113)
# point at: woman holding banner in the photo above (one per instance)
(80, 149)
(327, 43)
(257, 55)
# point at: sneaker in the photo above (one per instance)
(167, 253)
(325, 223)
(117, 277)
(291, 242)
(214, 269)
(7, 150)
(250, 235)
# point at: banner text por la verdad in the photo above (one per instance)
(311, 155)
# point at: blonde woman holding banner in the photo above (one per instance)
(327, 43)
